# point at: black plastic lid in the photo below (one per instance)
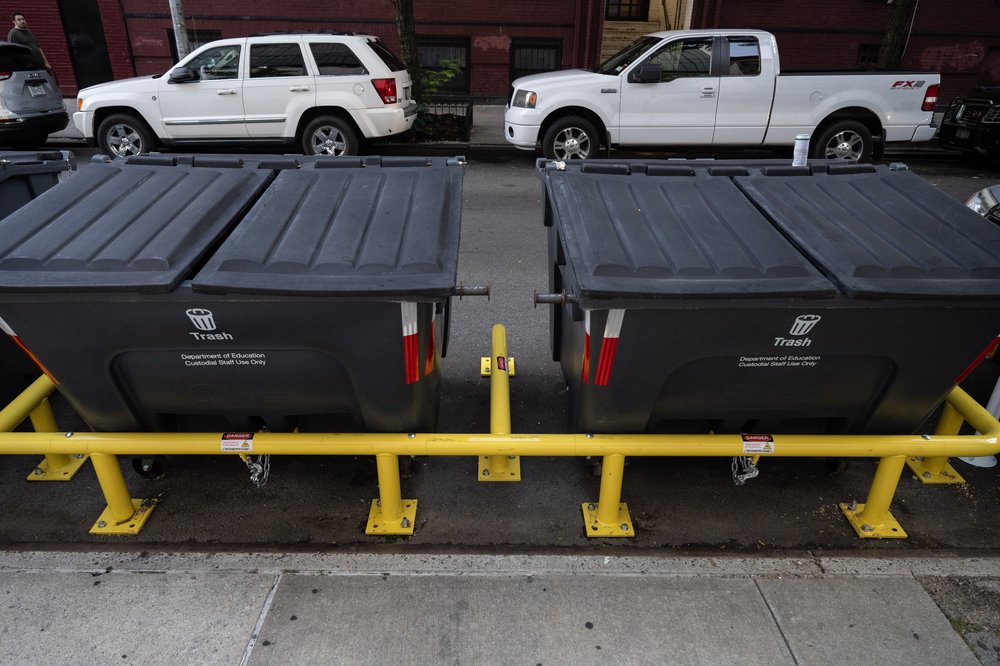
(122, 228)
(371, 231)
(672, 236)
(884, 234)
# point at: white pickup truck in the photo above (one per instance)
(716, 88)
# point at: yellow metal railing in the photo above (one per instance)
(390, 514)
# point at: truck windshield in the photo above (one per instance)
(628, 55)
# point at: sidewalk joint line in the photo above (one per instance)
(260, 620)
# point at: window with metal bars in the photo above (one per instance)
(432, 50)
(533, 56)
(627, 10)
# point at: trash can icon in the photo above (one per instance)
(804, 323)
(202, 319)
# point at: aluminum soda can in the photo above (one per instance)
(801, 151)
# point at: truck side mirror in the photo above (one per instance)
(647, 72)
(183, 75)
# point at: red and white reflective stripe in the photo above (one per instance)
(5, 327)
(990, 348)
(411, 355)
(429, 362)
(586, 346)
(612, 330)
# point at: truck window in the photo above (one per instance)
(684, 57)
(744, 57)
(334, 59)
(628, 55)
(276, 60)
(222, 62)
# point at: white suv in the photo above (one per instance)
(319, 93)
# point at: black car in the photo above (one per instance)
(31, 106)
(972, 125)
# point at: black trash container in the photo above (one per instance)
(23, 176)
(309, 294)
(763, 299)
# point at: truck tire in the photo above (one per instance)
(571, 138)
(124, 135)
(329, 135)
(843, 140)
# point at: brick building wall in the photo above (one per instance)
(488, 28)
(959, 40)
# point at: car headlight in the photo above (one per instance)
(984, 201)
(525, 99)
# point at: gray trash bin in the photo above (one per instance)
(763, 299)
(163, 295)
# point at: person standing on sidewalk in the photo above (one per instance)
(20, 34)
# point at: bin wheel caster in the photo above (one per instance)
(149, 468)
(837, 466)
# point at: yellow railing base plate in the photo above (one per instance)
(512, 473)
(890, 529)
(65, 473)
(948, 475)
(376, 525)
(597, 529)
(486, 366)
(133, 525)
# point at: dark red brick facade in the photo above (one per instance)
(960, 40)
(964, 46)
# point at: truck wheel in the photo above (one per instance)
(124, 135)
(844, 140)
(571, 138)
(329, 135)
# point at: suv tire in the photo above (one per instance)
(124, 135)
(329, 135)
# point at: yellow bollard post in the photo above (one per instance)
(935, 469)
(123, 515)
(499, 467)
(55, 466)
(609, 517)
(390, 514)
(872, 520)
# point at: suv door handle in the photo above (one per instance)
(299, 89)
(708, 92)
(227, 91)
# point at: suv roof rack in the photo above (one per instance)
(307, 32)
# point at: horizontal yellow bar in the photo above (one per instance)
(436, 444)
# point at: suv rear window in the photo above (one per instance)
(336, 60)
(17, 59)
(388, 57)
(268, 60)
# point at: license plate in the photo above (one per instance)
(37, 91)
(961, 134)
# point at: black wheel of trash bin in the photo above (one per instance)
(571, 138)
(329, 135)
(837, 466)
(843, 140)
(124, 135)
(149, 468)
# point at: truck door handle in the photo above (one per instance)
(299, 89)
(227, 91)
(708, 92)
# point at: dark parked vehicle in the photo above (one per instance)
(31, 106)
(972, 125)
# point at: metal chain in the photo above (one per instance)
(744, 469)
(260, 469)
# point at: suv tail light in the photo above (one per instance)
(386, 89)
(5, 74)
(930, 98)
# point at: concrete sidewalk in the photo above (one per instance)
(488, 609)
